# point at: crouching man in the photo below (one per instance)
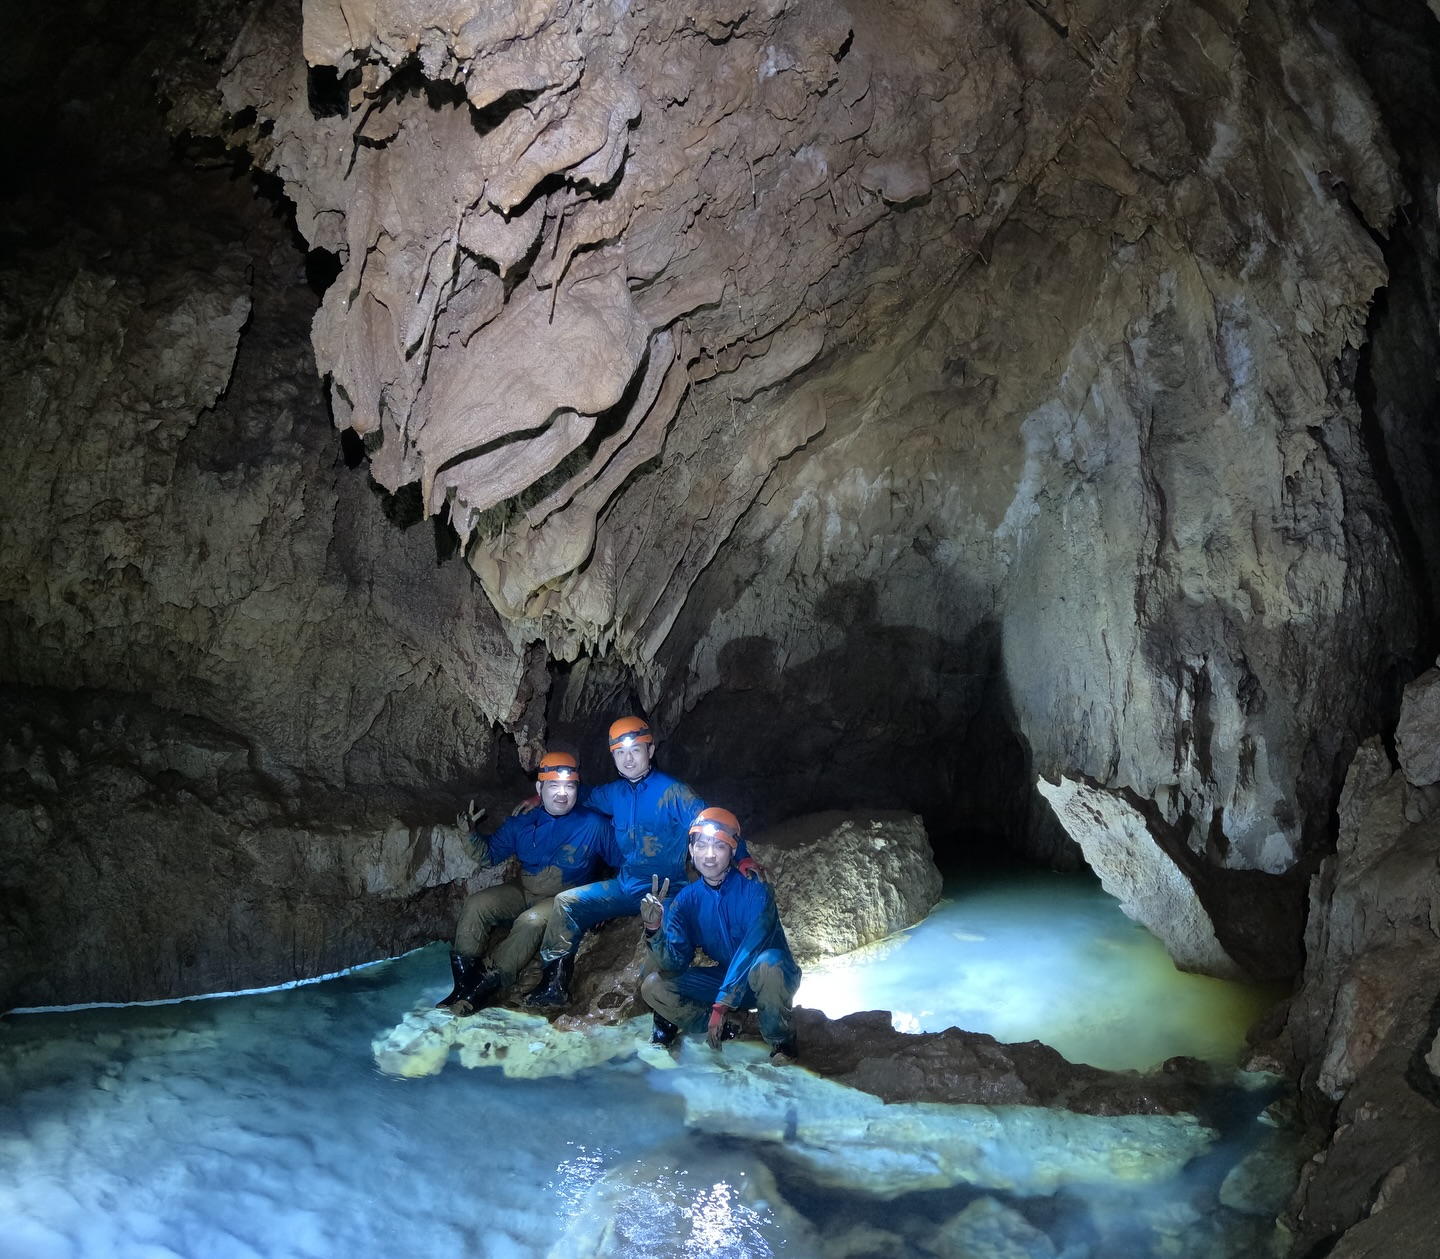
(735, 921)
(557, 846)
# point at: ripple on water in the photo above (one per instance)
(259, 1126)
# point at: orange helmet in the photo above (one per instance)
(558, 767)
(629, 730)
(717, 822)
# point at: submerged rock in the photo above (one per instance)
(679, 1203)
(987, 1229)
(1261, 1183)
(844, 880)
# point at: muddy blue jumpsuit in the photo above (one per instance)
(651, 821)
(554, 853)
(738, 925)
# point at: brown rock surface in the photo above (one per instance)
(866, 1052)
(895, 400)
(1364, 1020)
(846, 880)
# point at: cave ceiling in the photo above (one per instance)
(899, 402)
(706, 325)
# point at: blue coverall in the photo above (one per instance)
(738, 925)
(651, 821)
(554, 853)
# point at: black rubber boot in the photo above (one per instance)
(467, 972)
(553, 990)
(486, 992)
(664, 1033)
(786, 1052)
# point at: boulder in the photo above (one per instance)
(843, 880)
(987, 1229)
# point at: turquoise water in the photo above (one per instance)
(257, 1126)
(1038, 955)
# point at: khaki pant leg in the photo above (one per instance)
(523, 942)
(774, 991)
(658, 991)
(485, 910)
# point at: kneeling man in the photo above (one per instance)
(735, 921)
(558, 846)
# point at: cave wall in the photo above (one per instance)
(1045, 336)
(239, 700)
(897, 402)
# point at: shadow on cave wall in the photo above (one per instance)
(895, 717)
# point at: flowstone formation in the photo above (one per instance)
(1064, 1125)
(898, 402)
(980, 341)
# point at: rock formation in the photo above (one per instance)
(1363, 1025)
(843, 881)
(790, 341)
(900, 403)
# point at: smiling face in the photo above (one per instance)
(559, 795)
(712, 855)
(632, 759)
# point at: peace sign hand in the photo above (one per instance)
(652, 908)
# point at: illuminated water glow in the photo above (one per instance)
(1042, 956)
(258, 1127)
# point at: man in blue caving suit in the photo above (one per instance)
(735, 921)
(557, 846)
(651, 814)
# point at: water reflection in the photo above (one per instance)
(257, 1127)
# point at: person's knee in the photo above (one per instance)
(652, 988)
(533, 919)
(766, 975)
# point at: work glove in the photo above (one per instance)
(469, 818)
(715, 1029)
(752, 869)
(525, 806)
(652, 907)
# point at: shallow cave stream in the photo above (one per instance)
(259, 1125)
